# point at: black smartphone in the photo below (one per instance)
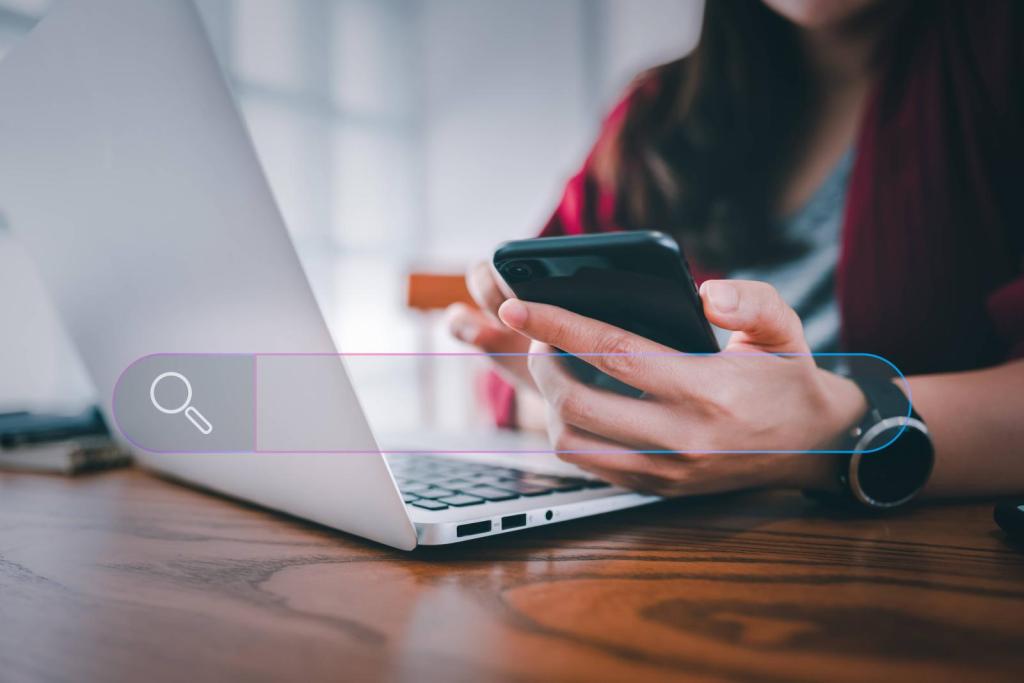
(636, 281)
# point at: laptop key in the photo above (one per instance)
(490, 493)
(411, 486)
(559, 484)
(434, 492)
(461, 500)
(524, 489)
(509, 471)
(455, 484)
(434, 478)
(490, 480)
(428, 504)
(408, 498)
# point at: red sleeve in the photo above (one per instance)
(501, 399)
(1006, 305)
(586, 206)
(1006, 308)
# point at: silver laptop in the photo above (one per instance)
(127, 173)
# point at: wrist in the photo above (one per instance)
(841, 408)
(844, 406)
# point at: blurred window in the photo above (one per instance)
(398, 130)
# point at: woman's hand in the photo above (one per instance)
(743, 399)
(482, 329)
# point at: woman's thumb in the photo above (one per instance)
(755, 313)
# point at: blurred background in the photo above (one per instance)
(397, 135)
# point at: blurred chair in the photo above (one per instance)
(435, 291)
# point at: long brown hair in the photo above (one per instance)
(704, 138)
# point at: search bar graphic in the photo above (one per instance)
(280, 403)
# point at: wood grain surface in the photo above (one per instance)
(126, 577)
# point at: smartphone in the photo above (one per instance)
(636, 281)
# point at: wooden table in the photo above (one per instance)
(124, 577)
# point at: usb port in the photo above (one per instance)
(473, 528)
(513, 521)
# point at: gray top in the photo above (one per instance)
(807, 283)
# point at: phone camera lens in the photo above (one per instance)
(517, 271)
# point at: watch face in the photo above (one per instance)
(892, 475)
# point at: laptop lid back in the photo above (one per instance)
(127, 173)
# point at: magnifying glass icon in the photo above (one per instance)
(197, 419)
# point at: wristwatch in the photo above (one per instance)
(891, 453)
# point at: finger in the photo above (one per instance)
(507, 348)
(473, 326)
(638, 362)
(484, 289)
(756, 313)
(638, 471)
(659, 474)
(567, 440)
(602, 413)
(463, 322)
(634, 482)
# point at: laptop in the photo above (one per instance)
(127, 173)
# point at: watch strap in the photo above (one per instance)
(885, 400)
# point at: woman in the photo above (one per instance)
(865, 157)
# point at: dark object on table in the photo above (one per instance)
(1009, 515)
(64, 444)
(19, 428)
(65, 457)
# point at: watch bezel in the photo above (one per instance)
(860, 449)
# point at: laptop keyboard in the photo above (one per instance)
(432, 483)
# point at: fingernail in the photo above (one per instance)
(513, 313)
(723, 296)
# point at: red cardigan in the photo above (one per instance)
(932, 256)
